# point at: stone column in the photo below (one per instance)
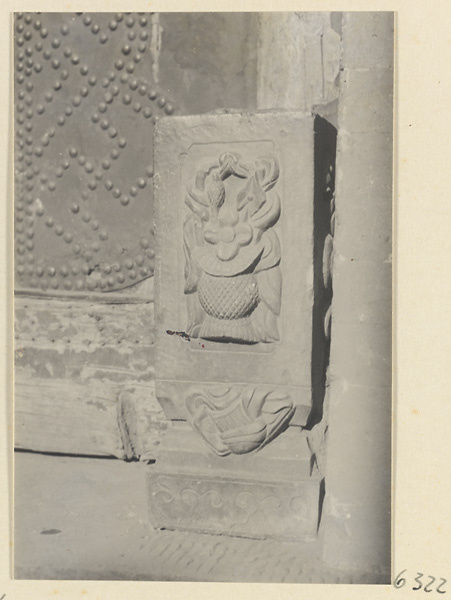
(357, 504)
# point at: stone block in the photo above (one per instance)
(235, 254)
(243, 213)
(271, 493)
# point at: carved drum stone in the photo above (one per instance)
(242, 213)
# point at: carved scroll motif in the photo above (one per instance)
(215, 505)
(237, 421)
(233, 281)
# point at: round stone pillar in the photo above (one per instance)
(356, 517)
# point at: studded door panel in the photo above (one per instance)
(86, 105)
(88, 89)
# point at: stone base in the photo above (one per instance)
(270, 493)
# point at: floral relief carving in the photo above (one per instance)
(233, 281)
(238, 421)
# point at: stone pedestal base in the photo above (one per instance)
(270, 493)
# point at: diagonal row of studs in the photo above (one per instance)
(30, 19)
(161, 101)
(84, 91)
(77, 99)
(67, 236)
(102, 107)
(47, 54)
(84, 71)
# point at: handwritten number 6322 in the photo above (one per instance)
(400, 582)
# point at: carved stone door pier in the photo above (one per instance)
(243, 206)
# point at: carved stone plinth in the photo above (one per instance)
(268, 493)
(242, 226)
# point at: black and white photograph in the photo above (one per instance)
(203, 296)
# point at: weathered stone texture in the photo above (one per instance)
(361, 112)
(132, 551)
(369, 185)
(271, 493)
(185, 145)
(208, 60)
(298, 61)
(240, 196)
(368, 43)
(358, 465)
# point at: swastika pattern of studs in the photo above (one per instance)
(85, 108)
